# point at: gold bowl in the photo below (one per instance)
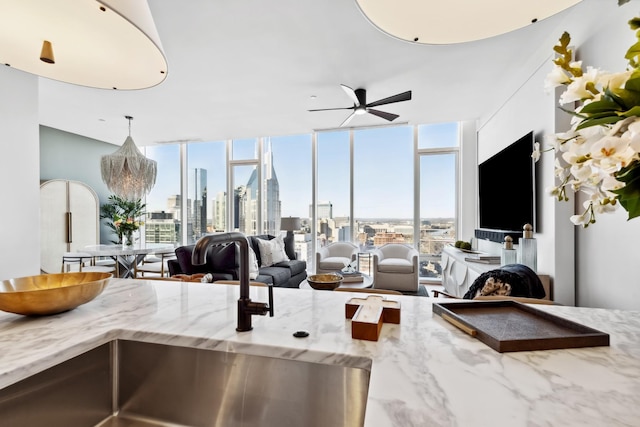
(50, 293)
(325, 282)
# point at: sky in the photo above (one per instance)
(383, 171)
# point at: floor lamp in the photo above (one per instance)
(290, 224)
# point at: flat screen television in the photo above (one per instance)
(507, 195)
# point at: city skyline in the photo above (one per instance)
(295, 176)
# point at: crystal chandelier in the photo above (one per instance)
(127, 172)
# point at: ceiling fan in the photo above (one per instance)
(360, 106)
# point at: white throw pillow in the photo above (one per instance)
(272, 251)
(253, 264)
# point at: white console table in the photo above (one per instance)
(458, 275)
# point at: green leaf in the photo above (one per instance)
(608, 120)
(624, 97)
(604, 104)
(629, 195)
(634, 23)
(633, 51)
(634, 111)
(633, 83)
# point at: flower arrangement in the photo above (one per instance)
(127, 224)
(600, 154)
(122, 215)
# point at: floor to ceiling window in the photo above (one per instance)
(164, 201)
(392, 184)
(206, 189)
(333, 222)
(382, 188)
(438, 153)
(287, 187)
(245, 188)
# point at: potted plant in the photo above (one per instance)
(123, 217)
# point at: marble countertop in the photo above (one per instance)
(424, 372)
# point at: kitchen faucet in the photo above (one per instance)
(246, 307)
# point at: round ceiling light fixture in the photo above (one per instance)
(449, 22)
(97, 43)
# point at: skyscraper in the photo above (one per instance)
(248, 202)
(325, 210)
(220, 212)
(198, 197)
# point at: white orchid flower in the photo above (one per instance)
(613, 80)
(557, 77)
(579, 219)
(609, 183)
(612, 153)
(536, 152)
(552, 190)
(577, 89)
(633, 135)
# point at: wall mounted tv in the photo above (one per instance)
(507, 196)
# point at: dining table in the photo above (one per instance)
(126, 258)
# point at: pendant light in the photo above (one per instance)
(448, 22)
(127, 172)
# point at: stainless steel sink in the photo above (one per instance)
(131, 383)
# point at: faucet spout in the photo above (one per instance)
(246, 308)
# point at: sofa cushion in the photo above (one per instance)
(183, 255)
(222, 257)
(272, 251)
(254, 271)
(264, 279)
(253, 243)
(395, 265)
(295, 266)
(280, 275)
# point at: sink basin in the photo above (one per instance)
(131, 383)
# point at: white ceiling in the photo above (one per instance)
(246, 68)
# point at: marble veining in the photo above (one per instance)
(424, 372)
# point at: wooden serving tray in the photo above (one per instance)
(512, 326)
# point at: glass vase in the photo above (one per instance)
(127, 239)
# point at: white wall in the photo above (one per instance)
(608, 254)
(602, 274)
(468, 188)
(19, 174)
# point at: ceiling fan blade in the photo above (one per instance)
(351, 94)
(330, 109)
(383, 114)
(348, 119)
(404, 96)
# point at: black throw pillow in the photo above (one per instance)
(222, 257)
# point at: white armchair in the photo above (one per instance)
(335, 256)
(395, 266)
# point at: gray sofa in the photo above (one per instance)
(223, 263)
